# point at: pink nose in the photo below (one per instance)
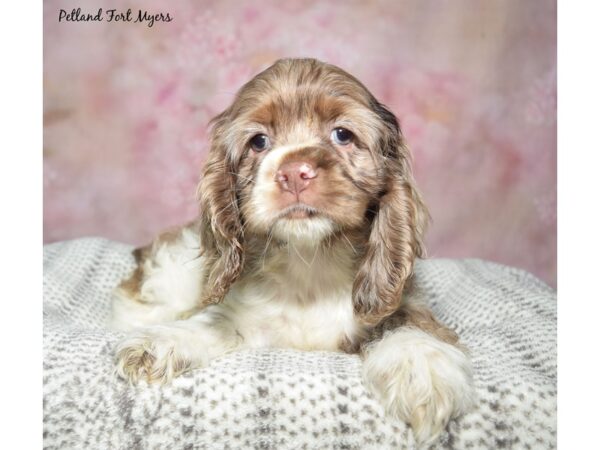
(295, 176)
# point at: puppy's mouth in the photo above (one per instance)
(302, 223)
(298, 211)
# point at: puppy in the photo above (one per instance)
(309, 226)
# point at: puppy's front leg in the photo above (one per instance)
(420, 373)
(161, 352)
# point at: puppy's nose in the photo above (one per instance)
(295, 176)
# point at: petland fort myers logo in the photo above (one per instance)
(114, 15)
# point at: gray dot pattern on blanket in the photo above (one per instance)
(287, 399)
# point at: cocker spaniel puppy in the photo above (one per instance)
(309, 226)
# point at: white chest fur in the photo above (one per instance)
(295, 296)
(301, 298)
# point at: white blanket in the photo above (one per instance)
(287, 399)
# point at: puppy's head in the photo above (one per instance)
(305, 151)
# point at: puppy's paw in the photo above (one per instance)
(152, 357)
(420, 380)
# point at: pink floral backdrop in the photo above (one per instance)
(126, 108)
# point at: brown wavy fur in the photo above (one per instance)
(397, 217)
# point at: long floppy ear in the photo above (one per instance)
(396, 235)
(220, 223)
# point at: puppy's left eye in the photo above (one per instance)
(342, 136)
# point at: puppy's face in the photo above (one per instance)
(304, 151)
(305, 145)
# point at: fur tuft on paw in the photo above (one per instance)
(420, 380)
(153, 359)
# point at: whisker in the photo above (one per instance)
(243, 227)
(349, 243)
(300, 256)
(264, 255)
(250, 180)
(315, 255)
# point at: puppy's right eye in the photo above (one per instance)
(260, 142)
